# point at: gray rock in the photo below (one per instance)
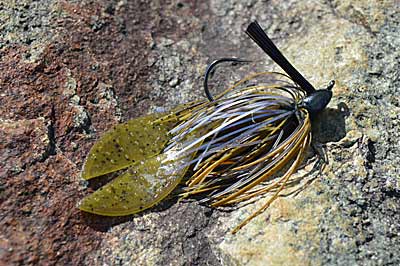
(126, 58)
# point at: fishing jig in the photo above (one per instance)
(242, 144)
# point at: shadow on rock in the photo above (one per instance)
(103, 223)
(329, 126)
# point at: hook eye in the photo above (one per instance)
(330, 85)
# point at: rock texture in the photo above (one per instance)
(69, 70)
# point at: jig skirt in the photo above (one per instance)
(235, 147)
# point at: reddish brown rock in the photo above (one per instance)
(69, 71)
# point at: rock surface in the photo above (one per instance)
(69, 70)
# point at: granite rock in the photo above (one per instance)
(69, 70)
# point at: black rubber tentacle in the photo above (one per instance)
(212, 66)
(259, 36)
